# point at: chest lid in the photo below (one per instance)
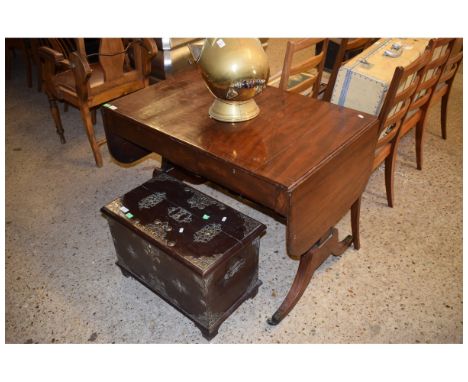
(184, 222)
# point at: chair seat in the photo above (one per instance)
(293, 80)
(299, 78)
(66, 79)
(380, 154)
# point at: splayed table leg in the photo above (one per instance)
(308, 263)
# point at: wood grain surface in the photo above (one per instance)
(306, 159)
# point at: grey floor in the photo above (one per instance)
(403, 286)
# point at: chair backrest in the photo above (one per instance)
(112, 58)
(403, 87)
(349, 47)
(114, 62)
(62, 45)
(122, 57)
(65, 46)
(453, 63)
(440, 53)
(310, 70)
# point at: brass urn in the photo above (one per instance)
(235, 70)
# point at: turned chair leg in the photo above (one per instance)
(355, 214)
(87, 120)
(54, 110)
(443, 114)
(65, 107)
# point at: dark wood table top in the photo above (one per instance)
(292, 147)
(266, 145)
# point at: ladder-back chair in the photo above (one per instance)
(304, 77)
(417, 112)
(444, 85)
(400, 94)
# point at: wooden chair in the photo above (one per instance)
(348, 49)
(417, 112)
(400, 94)
(444, 85)
(62, 45)
(87, 86)
(306, 74)
(405, 82)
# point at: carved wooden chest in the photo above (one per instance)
(198, 254)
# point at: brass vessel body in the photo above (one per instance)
(234, 70)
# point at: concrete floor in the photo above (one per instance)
(403, 286)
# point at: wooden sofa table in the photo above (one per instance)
(307, 160)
